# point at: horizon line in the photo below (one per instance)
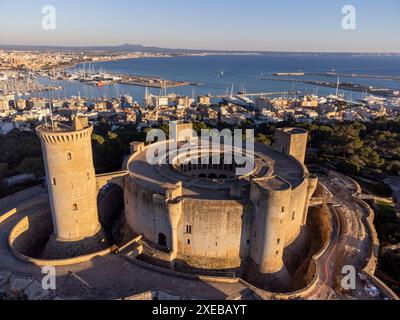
(198, 50)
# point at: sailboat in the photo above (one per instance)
(241, 101)
(336, 96)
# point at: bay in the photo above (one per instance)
(218, 73)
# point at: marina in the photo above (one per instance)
(23, 84)
(101, 78)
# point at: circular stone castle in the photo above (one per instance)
(191, 208)
(197, 213)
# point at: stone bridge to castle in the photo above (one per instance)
(114, 177)
(110, 197)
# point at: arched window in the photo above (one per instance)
(212, 176)
(75, 207)
(162, 239)
(69, 156)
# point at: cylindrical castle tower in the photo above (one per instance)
(271, 199)
(71, 181)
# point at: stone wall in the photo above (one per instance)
(210, 234)
(147, 213)
(29, 236)
(213, 234)
(294, 217)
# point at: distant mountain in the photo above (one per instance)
(140, 48)
(111, 49)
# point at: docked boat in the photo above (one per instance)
(240, 101)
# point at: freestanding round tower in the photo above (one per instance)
(71, 181)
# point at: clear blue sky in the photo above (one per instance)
(287, 25)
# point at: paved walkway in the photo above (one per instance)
(354, 243)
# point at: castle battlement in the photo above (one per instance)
(63, 134)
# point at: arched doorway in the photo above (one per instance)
(162, 240)
(110, 204)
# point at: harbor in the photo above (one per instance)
(334, 74)
(349, 86)
(101, 78)
(151, 82)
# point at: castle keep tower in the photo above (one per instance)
(67, 153)
(292, 141)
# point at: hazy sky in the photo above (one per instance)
(282, 25)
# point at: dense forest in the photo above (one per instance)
(370, 149)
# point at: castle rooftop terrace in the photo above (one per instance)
(275, 163)
(77, 124)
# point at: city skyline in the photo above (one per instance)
(310, 26)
